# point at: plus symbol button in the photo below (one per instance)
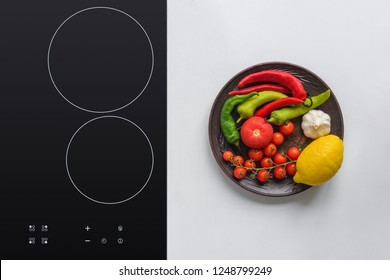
(87, 228)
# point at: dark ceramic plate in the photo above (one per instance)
(314, 86)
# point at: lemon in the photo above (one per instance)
(320, 160)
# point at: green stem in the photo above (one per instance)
(257, 169)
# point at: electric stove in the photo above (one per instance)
(83, 161)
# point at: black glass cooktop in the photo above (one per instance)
(83, 127)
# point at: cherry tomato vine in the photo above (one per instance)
(249, 166)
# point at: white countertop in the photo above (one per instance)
(347, 44)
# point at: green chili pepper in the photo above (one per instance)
(247, 109)
(228, 125)
(280, 116)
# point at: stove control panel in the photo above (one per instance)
(89, 234)
(85, 240)
(93, 236)
(38, 234)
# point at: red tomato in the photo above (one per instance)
(256, 132)
(277, 138)
(263, 176)
(287, 128)
(280, 158)
(239, 172)
(293, 153)
(266, 162)
(279, 172)
(291, 169)
(227, 155)
(250, 164)
(270, 150)
(255, 154)
(238, 160)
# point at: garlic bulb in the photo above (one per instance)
(315, 123)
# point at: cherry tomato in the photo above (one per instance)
(227, 155)
(293, 153)
(266, 162)
(277, 138)
(280, 158)
(250, 164)
(239, 172)
(279, 172)
(287, 128)
(291, 169)
(255, 154)
(270, 150)
(256, 132)
(263, 176)
(238, 160)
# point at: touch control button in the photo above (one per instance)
(104, 240)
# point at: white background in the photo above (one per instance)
(346, 43)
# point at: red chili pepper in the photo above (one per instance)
(277, 104)
(276, 76)
(261, 87)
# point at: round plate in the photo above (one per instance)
(313, 86)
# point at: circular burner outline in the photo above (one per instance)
(99, 111)
(74, 184)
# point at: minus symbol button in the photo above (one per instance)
(87, 240)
